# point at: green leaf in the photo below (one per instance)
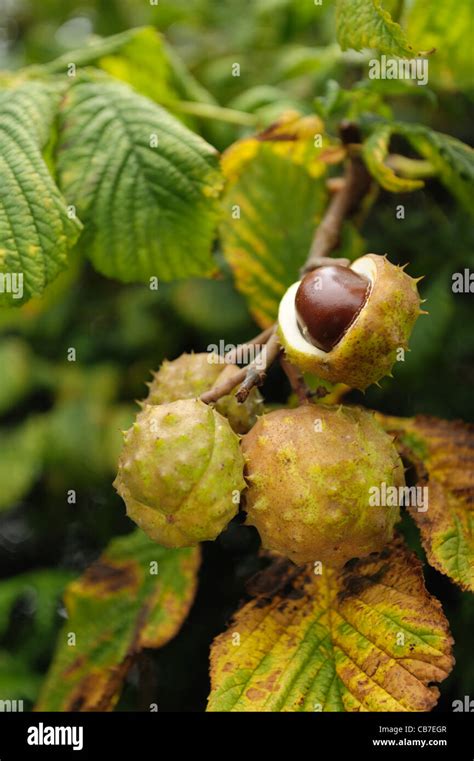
(96, 49)
(36, 231)
(127, 57)
(375, 151)
(21, 460)
(274, 198)
(148, 211)
(452, 161)
(365, 24)
(445, 27)
(18, 681)
(367, 638)
(118, 607)
(442, 452)
(131, 64)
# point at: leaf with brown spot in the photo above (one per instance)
(115, 609)
(368, 638)
(442, 452)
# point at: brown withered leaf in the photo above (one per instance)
(368, 638)
(442, 453)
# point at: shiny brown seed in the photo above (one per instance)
(327, 302)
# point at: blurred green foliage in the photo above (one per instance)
(60, 421)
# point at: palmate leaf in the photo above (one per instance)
(366, 24)
(275, 195)
(118, 607)
(143, 184)
(442, 452)
(36, 230)
(369, 638)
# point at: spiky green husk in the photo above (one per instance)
(187, 377)
(240, 416)
(368, 350)
(308, 492)
(180, 472)
(191, 375)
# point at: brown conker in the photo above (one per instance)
(327, 302)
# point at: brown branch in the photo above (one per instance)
(297, 382)
(343, 203)
(335, 184)
(249, 376)
(217, 392)
(256, 375)
(262, 338)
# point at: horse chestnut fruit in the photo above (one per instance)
(187, 377)
(310, 471)
(346, 325)
(180, 472)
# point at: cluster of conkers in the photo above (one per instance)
(305, 473)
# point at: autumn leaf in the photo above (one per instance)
(274, 198)
(135, 596)
(367, 638)
(375, 152)
(366, 24)
(442, 452)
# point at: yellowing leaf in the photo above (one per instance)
(366, 24)
(274, 198)
(369, 638)
(131, 63)
(136, 595)
(374, 151)
(451, 160)
(442, 452)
